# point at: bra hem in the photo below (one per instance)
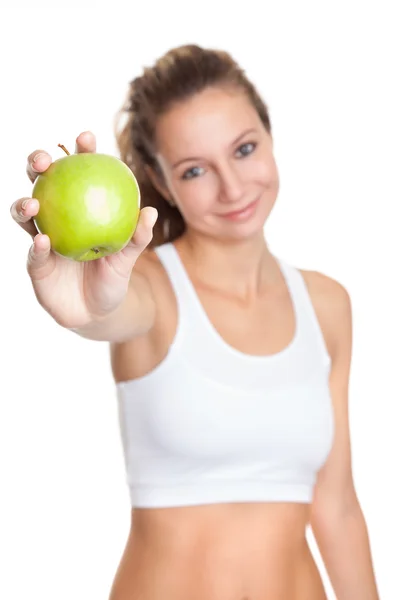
(148, 496)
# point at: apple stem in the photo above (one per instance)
(64, 148)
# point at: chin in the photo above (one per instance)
(237, 234)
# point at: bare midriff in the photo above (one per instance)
(252, 551)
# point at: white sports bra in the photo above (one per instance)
(210, 424)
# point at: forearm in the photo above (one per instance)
(133, 317)
(344, 546)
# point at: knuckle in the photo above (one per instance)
(32, 176)
(30, 259)
(16, 212)
(139, 242)
(145, 238)
(33, 155)
(31, 170)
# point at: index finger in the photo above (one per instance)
(40, 160)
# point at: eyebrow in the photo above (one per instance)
(235, 141)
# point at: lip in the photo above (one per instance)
(243, 213)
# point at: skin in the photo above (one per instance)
(228, 551)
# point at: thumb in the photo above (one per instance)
(144, 230)
(143, 234)
(41, 261)
(124, 261)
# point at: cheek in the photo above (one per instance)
(197, 196)
(265, 172)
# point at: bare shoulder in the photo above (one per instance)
(332, 304)
(149, 267)
(328, 290)
(150, 270)
(147, 261)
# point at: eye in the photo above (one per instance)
(191, 173)
(246, 149)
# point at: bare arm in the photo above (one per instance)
(103, 299)
(337, 519)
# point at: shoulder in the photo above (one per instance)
(151, 271)
(148, 265)
(327, 290)
(332, 304)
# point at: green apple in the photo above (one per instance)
(89, 205)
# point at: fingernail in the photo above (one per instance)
(25, 203)
(35, 159)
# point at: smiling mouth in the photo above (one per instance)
(241, 212)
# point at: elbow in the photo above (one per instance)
(330, 515)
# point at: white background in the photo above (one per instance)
(329, 72)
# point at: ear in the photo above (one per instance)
(159, 185)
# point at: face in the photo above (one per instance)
(218, 165)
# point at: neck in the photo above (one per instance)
(245, 267)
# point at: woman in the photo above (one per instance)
(231, 366)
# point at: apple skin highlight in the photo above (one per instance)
(89, 205)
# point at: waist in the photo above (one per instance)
(220, 552)
(216, 525)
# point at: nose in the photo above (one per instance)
(231, 184)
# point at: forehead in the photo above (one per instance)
(211, 116)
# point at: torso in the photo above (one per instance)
(219, 552)
(242, 551)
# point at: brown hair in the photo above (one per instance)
(176, 76)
